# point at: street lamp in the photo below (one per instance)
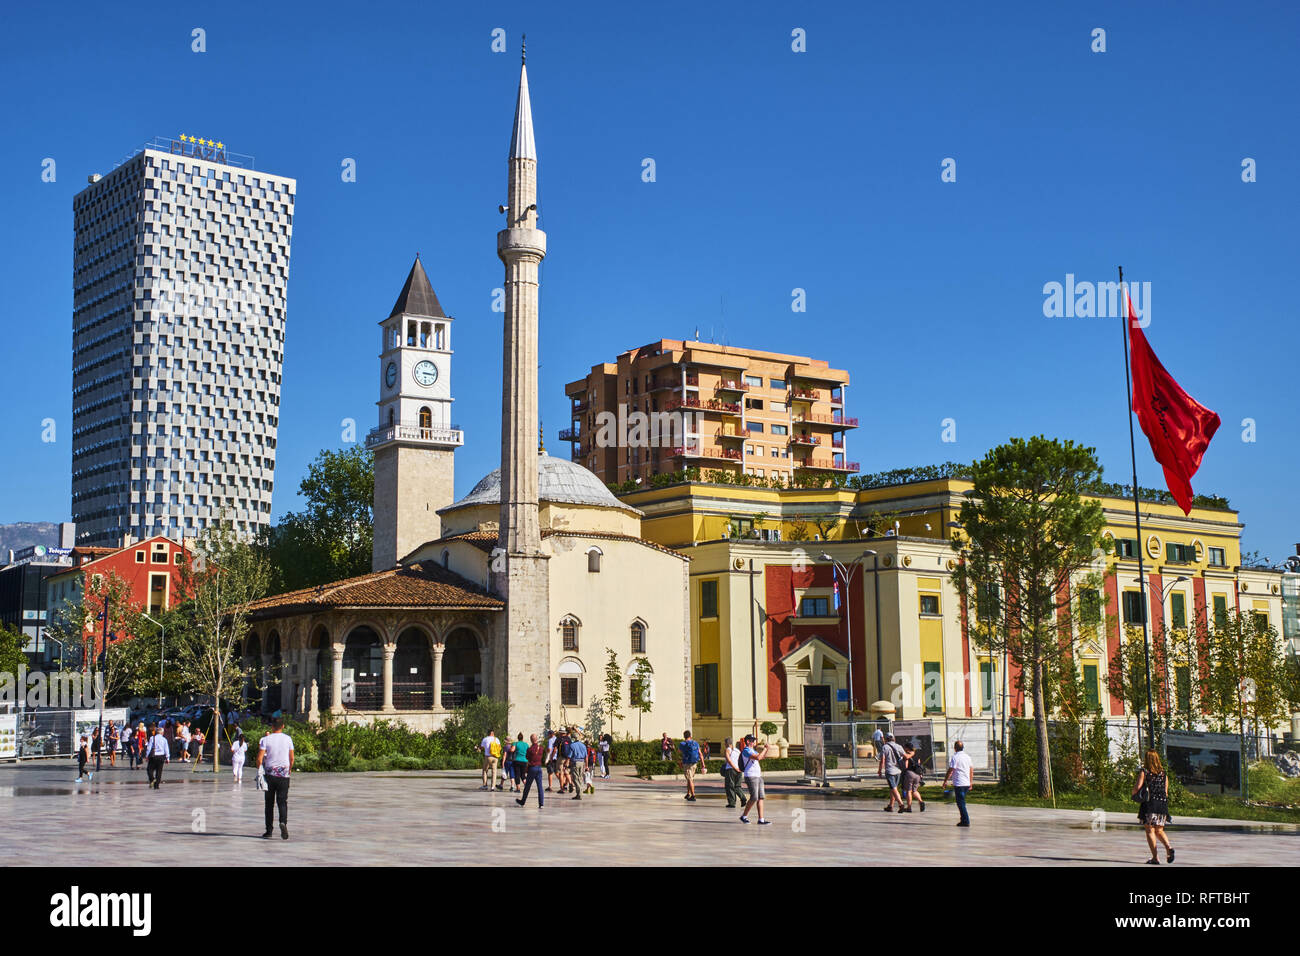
(162, 650)
(1164, 596)
(846, 569)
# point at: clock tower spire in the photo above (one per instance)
(415, 440)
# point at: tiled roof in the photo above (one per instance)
(424, 584)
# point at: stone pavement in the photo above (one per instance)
(442, 818)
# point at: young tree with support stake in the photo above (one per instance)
(613, 689)
(80, 624)
(1029, 538)
(217, 589)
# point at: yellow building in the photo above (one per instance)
(758, 553)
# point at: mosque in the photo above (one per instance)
(519, 590)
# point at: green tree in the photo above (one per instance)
(11, 649)
(613, 690)
(216, 590)
(1126, 675)
(332, 537)
(639, 690)
(79, 625)
(1252, 682)
(1029, 538)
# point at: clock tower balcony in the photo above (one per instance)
(415, 435)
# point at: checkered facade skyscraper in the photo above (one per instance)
(180, 267)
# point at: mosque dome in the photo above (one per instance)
(558, 481)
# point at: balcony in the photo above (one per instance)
(415, 434)
(728, 385)
(569, 434)
(802, 392)
(705, 405)
(728, 434)
(834, 421)
(837, 441)
(730, 454)
(805, 439)
(817, 464)
(579, 406)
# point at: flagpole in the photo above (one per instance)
(1137, 517)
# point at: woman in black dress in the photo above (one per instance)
(1154, 809)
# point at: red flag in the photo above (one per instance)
(1177, 425)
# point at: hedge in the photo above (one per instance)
(663, 767)
(311, 763)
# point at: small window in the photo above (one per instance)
(929, 604)
(1091, 688)
(1261, 620)
(986, 685)
(1178, 609)
(160, 557)
(708, 599)
(1220, 610)
(1217, 557)
(176, 557)
(139, 557)
(569, 630)
(1125, 547)
(988, 602)
(1089, 608)
(778, 383)
(593, 560)
(754, 381)
(569, 691)
(1180, 553)
(780, 430)
(1134, 612)
(446, 558)
(754, 426)
(638, 638)
(814, 607)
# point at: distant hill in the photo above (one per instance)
(24, 534)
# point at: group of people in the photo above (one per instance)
(564, 755)
(904, 772)
(183, 741)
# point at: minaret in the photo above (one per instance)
(521, 570)
(521, 246)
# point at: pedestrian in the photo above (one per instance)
(877, 740)
(520, 762)
(578, 759)
(490, 747)
(97, 746)
(913, 774)
(606, 750)
(238, 753)
(1152, 792)
(536, 756)
(157, 752)
(127, 737)
(959, 772)
(275, 761)
(183, 735)
(112, 744)
(753, 774)
(196, 746)
(691, 761)
(83, 758)
(666, 747)
(891, 768)
(565, 745)
(589, 771)
(731, 775)
(552, 758)
(141, 740)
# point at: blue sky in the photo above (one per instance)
(775, 170)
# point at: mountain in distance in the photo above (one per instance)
(24, 534)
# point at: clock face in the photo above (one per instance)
(390, 374)
(426, 373)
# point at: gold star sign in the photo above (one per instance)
(221, 145)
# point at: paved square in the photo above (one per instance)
(430, 818)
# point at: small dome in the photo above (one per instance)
(558, 480)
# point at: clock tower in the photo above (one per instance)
(415, 441)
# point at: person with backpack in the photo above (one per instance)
(731, 775)
(753, 774)
(519, 768)
(913, 774)
(891, 768)
(691, 761)
(578, 761)
(490, 747)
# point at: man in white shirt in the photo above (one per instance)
(275, 762)
(731, 775)
(749, 766)
(183, 735)
(486, 746)
(959, 772)
(157, 752)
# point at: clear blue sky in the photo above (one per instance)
(775, 170)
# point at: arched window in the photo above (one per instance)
(569, 627)
(446, 558)
(593, 559)
(638, 637)
(391, 421)
(570, 672)
(426, 417)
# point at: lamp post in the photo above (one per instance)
(1164, 596)
(162, 650)
(846, 569)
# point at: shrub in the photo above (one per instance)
(661, 767)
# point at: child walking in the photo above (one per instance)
(238, 752)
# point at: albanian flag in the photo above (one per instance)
(1177, 425)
